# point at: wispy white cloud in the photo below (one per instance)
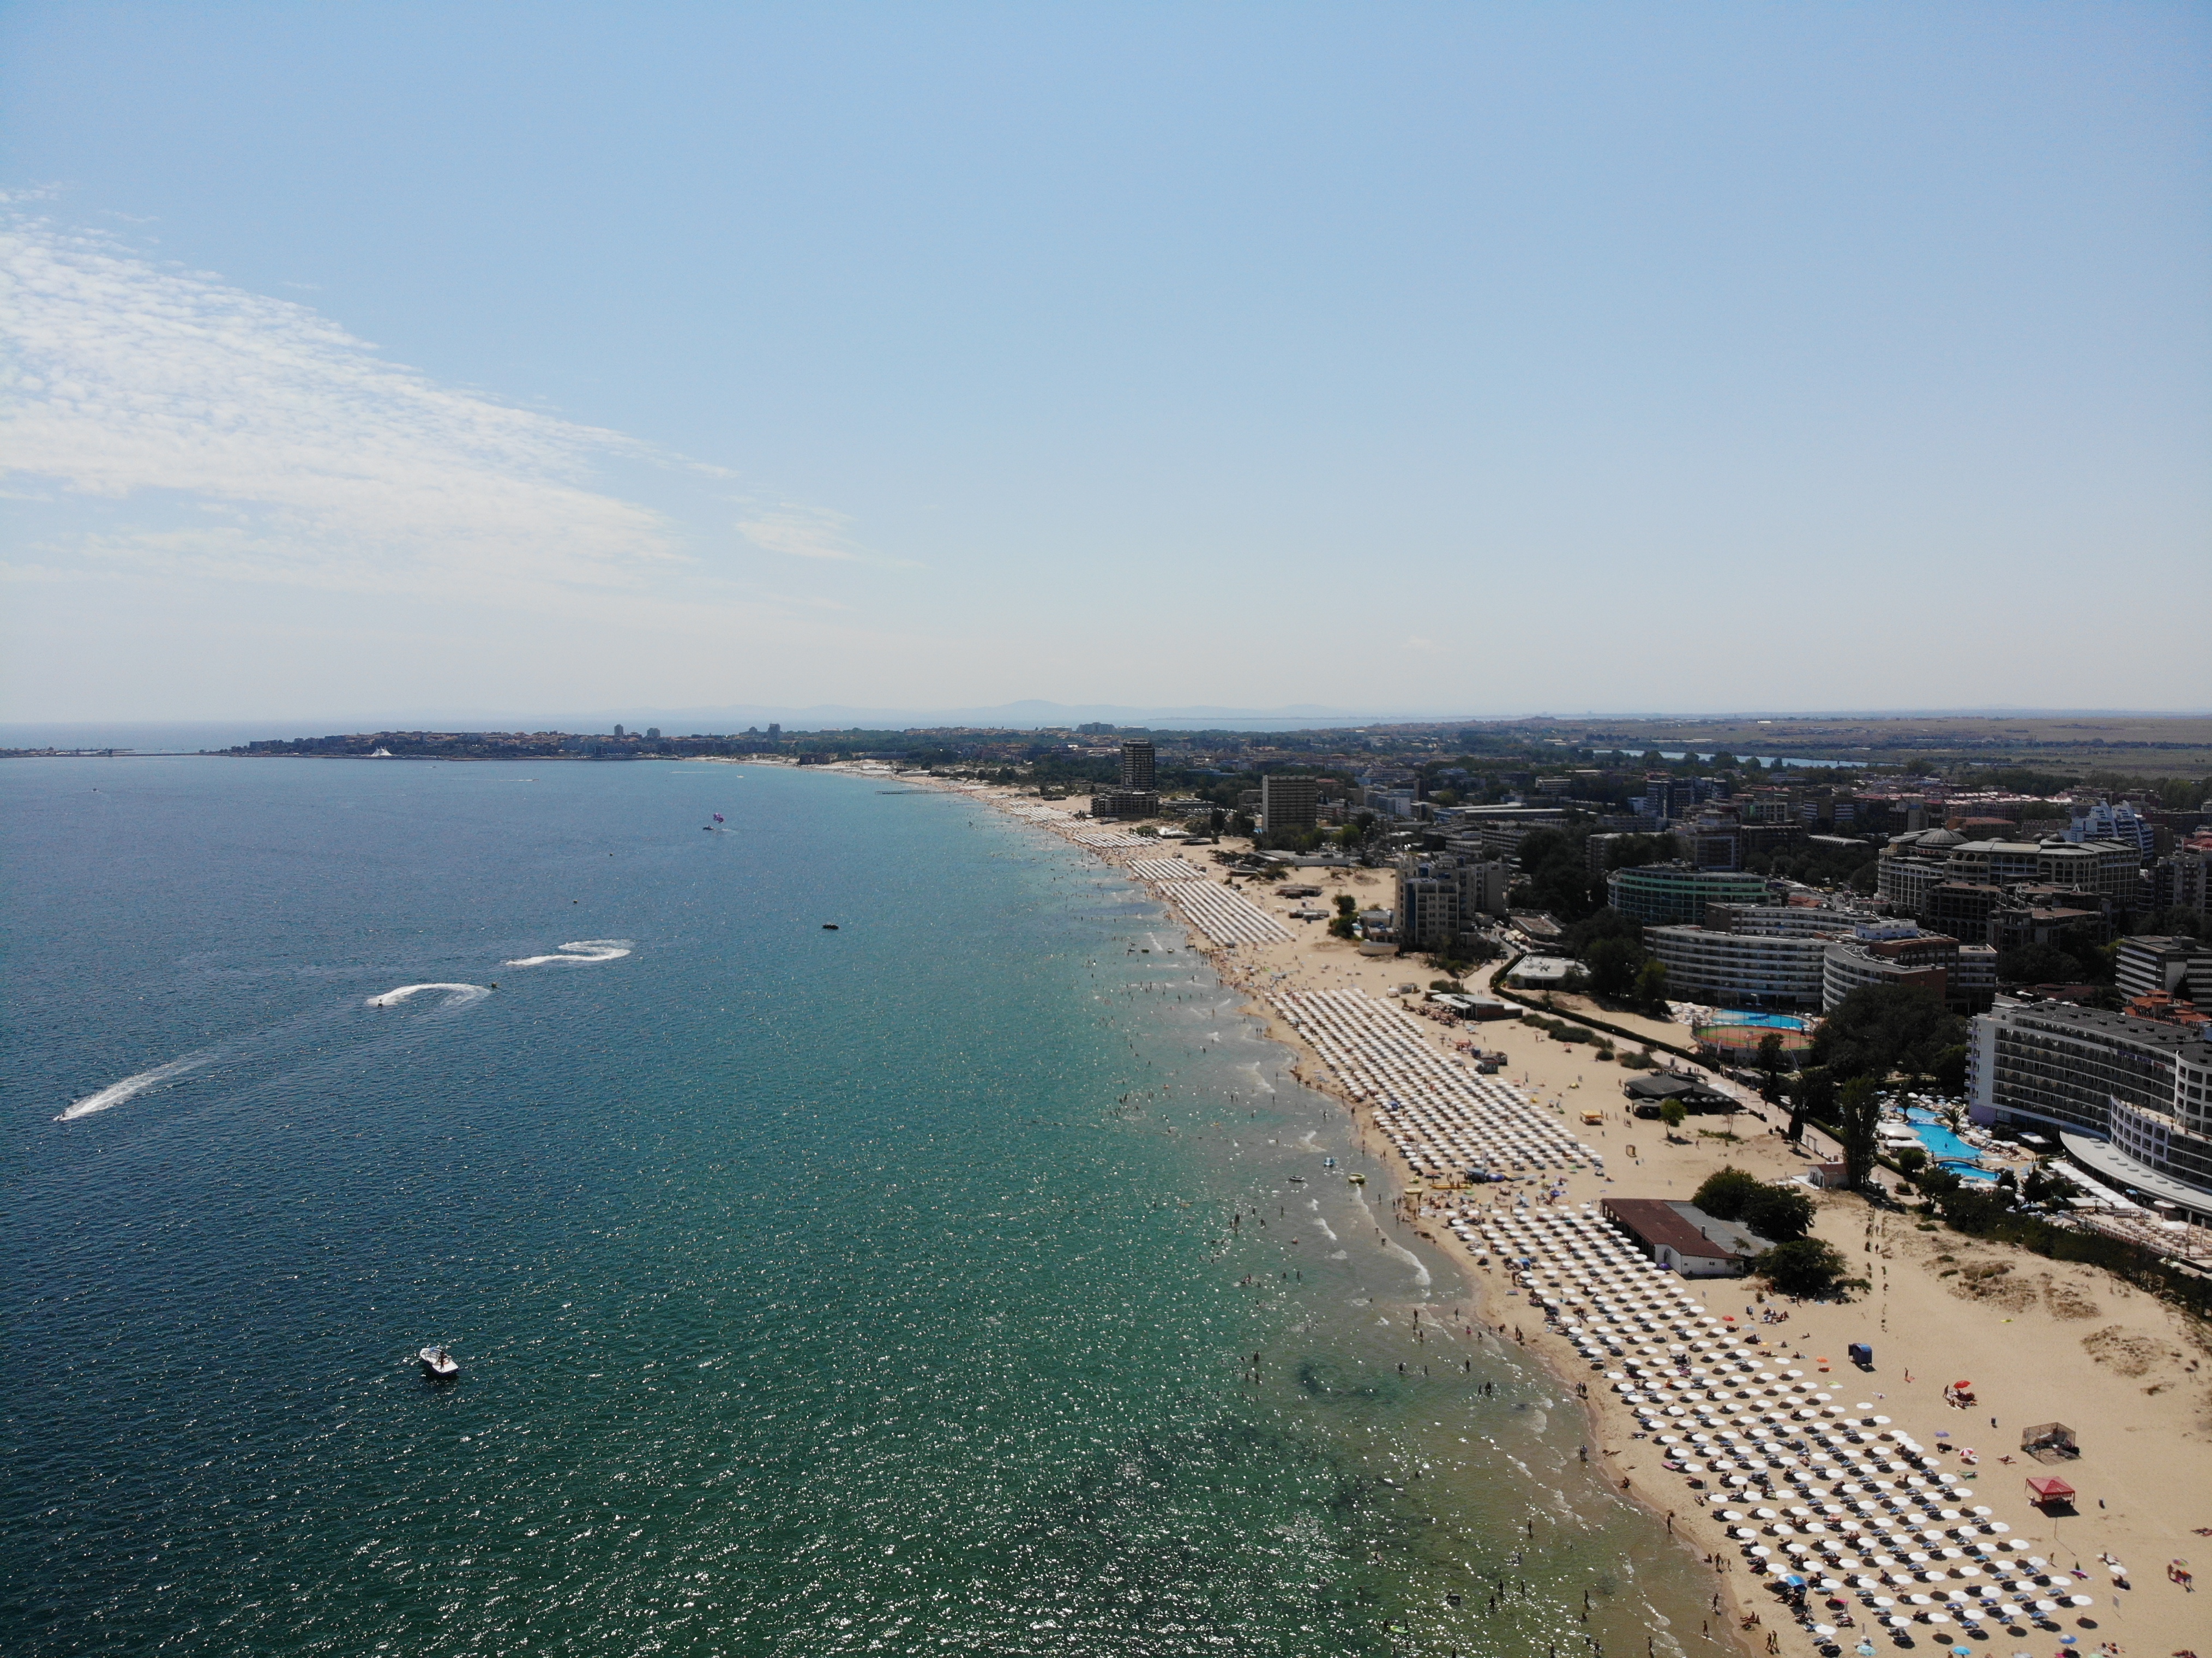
(814, 533)
(180, 458)
(127, 378)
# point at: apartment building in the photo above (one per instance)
(2179, 967)
(1443, 896)
(1289, 802)
(1673, 894)
(1963, 977)
(1137, 759)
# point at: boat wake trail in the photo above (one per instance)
(130, 1087)
(580, 949)
(461, 996)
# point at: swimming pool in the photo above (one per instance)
(1945, 1149)
(1765, 1020)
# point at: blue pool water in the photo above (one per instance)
(1764, 1021)
(1947, 1150)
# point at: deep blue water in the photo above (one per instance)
(893, 1288)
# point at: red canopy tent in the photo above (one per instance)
(2048, 1488)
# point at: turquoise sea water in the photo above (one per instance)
(891, 1289)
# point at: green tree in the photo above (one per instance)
(2043, 1186)
(1780, 1212)
(1774, 1211)
(1878, 1029)
(1671, 1112)
(1936, 1181)
(1812, 1096)
(2037, 964)
(1803, 1267)
(1635, 851)
(1612, 964)
(1858, 1114)
(1725, 1191)
(1579, 938)
(1553, 869)
(1912, 1159)
(1948, 1072)
(2174, 921)
(1770, 1067)
(1652, 985)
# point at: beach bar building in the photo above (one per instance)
(1684, 1238)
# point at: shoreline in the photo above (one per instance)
(1305, 1064)
(2158, 1471)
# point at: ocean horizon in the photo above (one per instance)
(863, 1223)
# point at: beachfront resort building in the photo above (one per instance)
(1289, 803)
(1136, 765)
(1125, 803)
(1753, 956)
(1443, 897)
(1740, 970)
(1673, 894)
(2128, 1097)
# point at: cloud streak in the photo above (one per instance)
(333, 466)
(812, 532)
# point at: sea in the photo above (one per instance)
(862, 1223)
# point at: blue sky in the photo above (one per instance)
(479, 359)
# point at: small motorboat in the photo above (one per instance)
(829, 926)
(438, 1364)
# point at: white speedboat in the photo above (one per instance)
(438, 1364)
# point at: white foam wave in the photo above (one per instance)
(461, 997)
(130, 1087)
(1254, 1067)
(1421, 1272)
(580, 949)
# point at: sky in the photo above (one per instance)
(475, 360)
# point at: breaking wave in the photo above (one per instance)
(461, 997)
(580, 949)
(130, 1087)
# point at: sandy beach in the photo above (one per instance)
(2039, 1340)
